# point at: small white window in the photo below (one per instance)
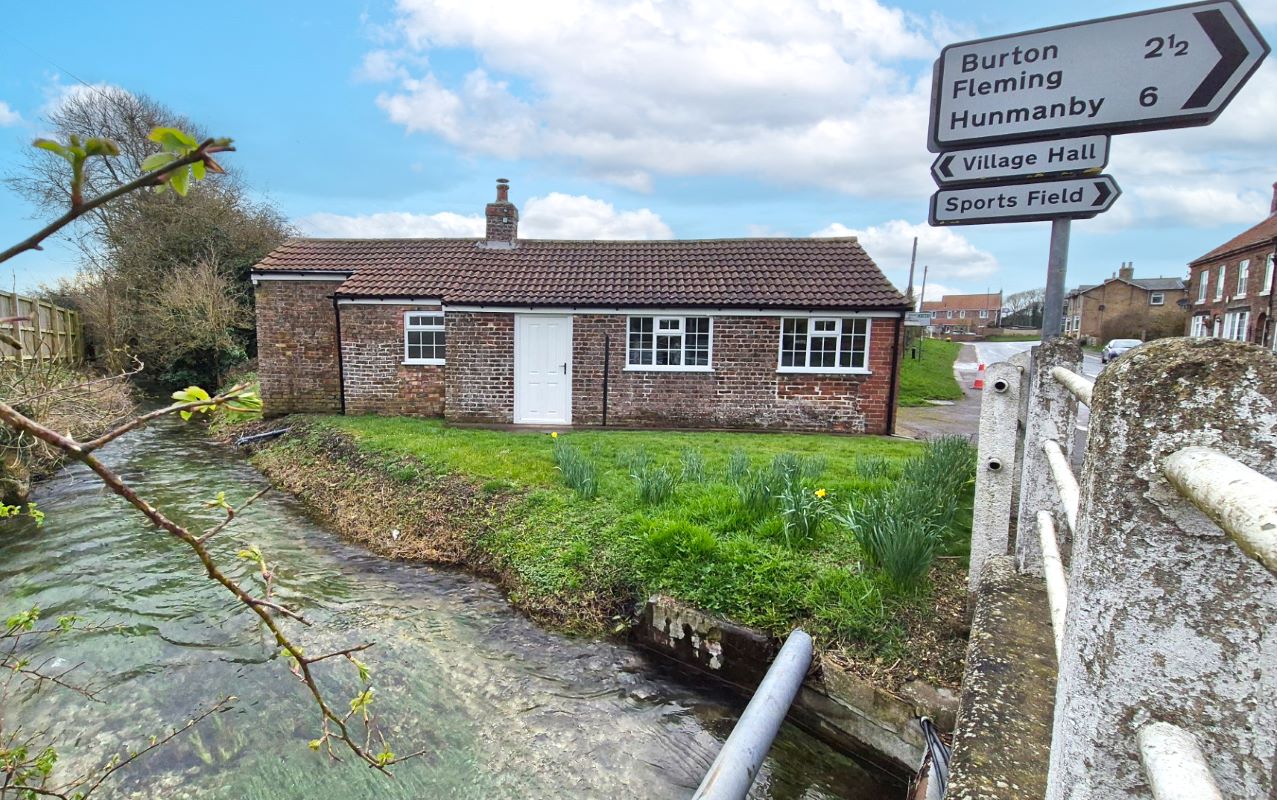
(824, 344)
(949, 314)
(1243, 275)
(669, 343)
(1203, 282)
(962, 314)
(1219, 282)
(1268, 276)
(1235, 325)
(984, 313)
(1199, 327)
(933, 314)
(424, 337)
(1156, 298)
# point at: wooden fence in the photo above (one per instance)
(47, 332)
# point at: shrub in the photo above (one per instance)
(693, 466)
(578, 471)
(655, 484)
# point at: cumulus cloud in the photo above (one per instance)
(936, 291)
(822, 92)
(8, 116)
(555, 216)
(946, 252)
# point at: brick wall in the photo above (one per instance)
(377, 380)
(297, 346)
(743, 391)
(480, 372)
(1256, 297)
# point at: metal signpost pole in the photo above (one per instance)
(1057, 265)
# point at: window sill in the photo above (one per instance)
(643, 368)
(821, 371)
(424, 362)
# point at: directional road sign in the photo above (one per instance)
(1075, 198)
(1036, 159)
(1166, 68)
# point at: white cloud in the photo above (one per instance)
(8, 116)
(812, 92)
(555, 216)
(946, 252)
(391, 225)
(936, 291)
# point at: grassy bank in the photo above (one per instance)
(930, 376)
(754, 527)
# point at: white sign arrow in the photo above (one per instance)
(1049, 157)
(1165, 68)
(1075, 198)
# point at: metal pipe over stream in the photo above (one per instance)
(732, 773)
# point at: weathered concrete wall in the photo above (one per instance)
(1168, 619)
(996, 473)
(1003, 735)
(847, 711)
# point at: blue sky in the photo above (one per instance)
(619, 120)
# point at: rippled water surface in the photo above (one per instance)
(503, 708)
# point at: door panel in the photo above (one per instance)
(543, 370)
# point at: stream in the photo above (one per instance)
(503, 708)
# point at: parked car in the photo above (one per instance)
(1117, 347)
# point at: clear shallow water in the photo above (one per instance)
(505, 709)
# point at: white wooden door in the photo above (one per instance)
(542, 370)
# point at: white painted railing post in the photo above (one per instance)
(1052, 414)
(1168, 620)
(995, 467)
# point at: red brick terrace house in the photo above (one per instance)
(964, 313)
(796, 334)
(1232, 288)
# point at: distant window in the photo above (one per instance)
(673, 343)
(1198, 327)
(1268, 275)
(949, 314)
(962, 314)
(1243, 275)
(1219, 282)
(824, 344)
(424, 336)
(1235, 325)
(933, 314)
(1203, 282)
(1156, 298)
(984, 313)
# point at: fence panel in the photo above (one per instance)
(46, 331)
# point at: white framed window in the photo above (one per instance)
(948, 314)
(1235, 325)
(1219, 282)
(1243, 275)
(669, 343)
(933, 314)
(1156, 298)
(423, 337)
(1203, 282)
(984, 313)
(1198, 328)
(962, 314)
(824, 344)
(1268, 274)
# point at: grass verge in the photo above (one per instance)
(742, 525)
(930, 376)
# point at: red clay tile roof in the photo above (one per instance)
(722, 273)
(1262, 233)
(964, 301)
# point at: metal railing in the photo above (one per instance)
(733, 771)
(1134, 506)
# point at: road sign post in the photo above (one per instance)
(1000, 107)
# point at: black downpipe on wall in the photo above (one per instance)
(341, 367)
(897, 346)
(607, 363)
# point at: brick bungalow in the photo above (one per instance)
(798, 334)
(1232, 288)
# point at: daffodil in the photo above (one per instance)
(821, 493)
(554, 434)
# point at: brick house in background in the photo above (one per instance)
(1125, 307)
(740, 333)
(964, 313)
(1231, 288)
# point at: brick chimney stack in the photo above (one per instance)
(1273, 208)
(503, 217)
(1127, 270)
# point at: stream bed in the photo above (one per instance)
(503, 708)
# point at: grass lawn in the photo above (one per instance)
(930, 376)
(719, 539)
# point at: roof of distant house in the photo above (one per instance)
(816, 274)
(1263, 233)
(964, 301)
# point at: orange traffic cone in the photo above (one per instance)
(979, 378)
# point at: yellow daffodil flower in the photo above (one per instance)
(821, 493)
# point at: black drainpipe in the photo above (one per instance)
(896, 346)
(341, 367)
(607, 359)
